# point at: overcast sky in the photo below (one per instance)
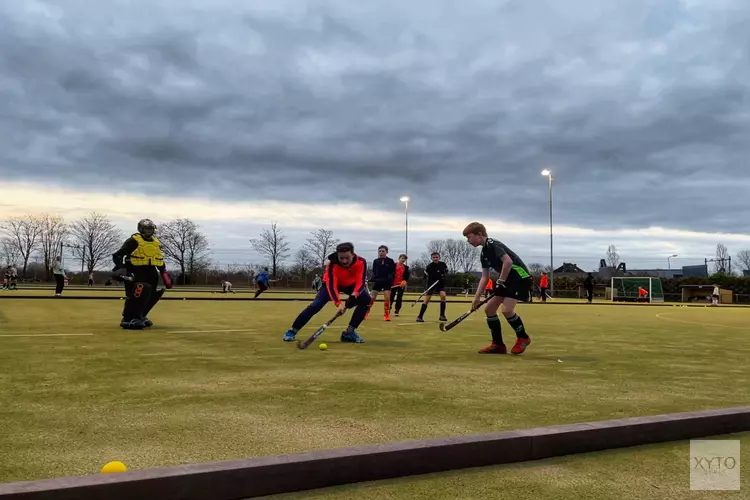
(325, 113)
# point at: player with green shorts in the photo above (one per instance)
(513, 286)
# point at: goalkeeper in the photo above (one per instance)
(138, 264)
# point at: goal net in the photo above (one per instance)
(631, 289)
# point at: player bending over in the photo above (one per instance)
(346, 272)
(262, 280)
(513, 286)
(138, 264)
(400, 281)
(226, 287)
(383, 271)
(435, 273)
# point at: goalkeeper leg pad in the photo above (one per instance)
(136, 302)
(152, 300)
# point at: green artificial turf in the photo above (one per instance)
(214, 381)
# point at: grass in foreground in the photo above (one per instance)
(213, 380)
(660, 471)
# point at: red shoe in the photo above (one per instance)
(521, 345)
(387, 317)
(493, 348)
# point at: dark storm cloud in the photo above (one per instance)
(637, 107)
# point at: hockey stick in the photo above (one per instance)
(318, 332)
(445, 328)
(424, 293)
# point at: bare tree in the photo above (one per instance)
(418, 265)
(458, 255)
(54, 230)
(320, 245)
(304, 263)
(273, 245)
(436, 246)
(536, 269)
(722, 262)
(450, 254)
(94, 239)
(185, 245)
(613, 258)
(24, 234)
(467, 256)
(743, 257)
(9, 253)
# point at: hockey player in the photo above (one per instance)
(139, 263)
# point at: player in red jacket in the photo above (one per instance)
(400, 281)
(543, 287)
(346, 272)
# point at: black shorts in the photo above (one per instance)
(516, 287)
(381, 286)
(440, 287)
(262, 286)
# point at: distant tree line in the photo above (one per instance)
(33, 241)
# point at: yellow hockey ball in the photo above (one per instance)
(323, 347)
(112, 467)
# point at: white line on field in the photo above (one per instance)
(212, 331)
(415, 323)
(50, 335)
(713, 325)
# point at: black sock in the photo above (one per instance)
(421, 311)
(516, 323)
(257, 292)
(442, 308)
(494, 323)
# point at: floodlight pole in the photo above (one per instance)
(669, 262)
(405, 200)
(548, 173)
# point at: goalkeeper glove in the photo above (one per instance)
(167, 280)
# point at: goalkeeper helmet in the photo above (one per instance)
(146, 227)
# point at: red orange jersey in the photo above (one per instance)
(544, 281)
(402, 274)
(338, 278)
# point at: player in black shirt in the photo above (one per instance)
(435, 274)
(383, 271)
(512, 286)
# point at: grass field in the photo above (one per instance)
(214, 381)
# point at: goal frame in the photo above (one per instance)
(651, 279)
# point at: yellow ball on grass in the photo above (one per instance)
(113, 467)
(323, 347)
